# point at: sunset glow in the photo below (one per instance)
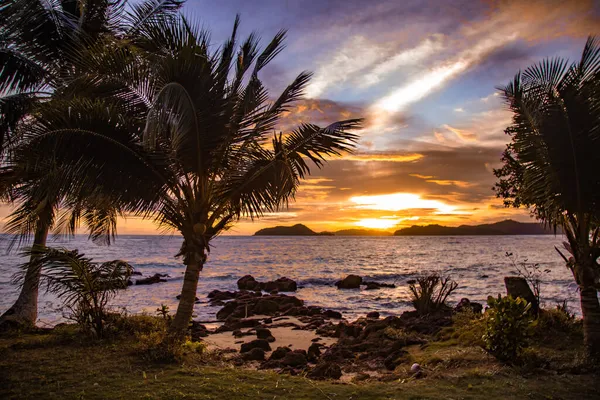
(400, 201)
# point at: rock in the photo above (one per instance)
(136, 273)
(255, 354)
(279, 353)
(294, 359)
(285, 284)
(325, 370)
(255, 344)
(313, 353)
(266, 307)
(349, 282)
(373, 315)
(248, 282)
(373, 286)
(518, 287)
(226, 311)
(465, 304)
(198, 331)
(377, 285)
(332, 314)
(394, 359)
(263, 333)
(178, 297)
(344, 329)
(237, 333)
(156, 278)
(219, 295)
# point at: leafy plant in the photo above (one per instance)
(531, 272)
(163, 311)
(508, 326)
(431, 293)
(85, 287)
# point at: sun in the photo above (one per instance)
(377, 223)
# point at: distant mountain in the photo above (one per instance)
(507, 227)
(362, 232)
(296, 230)
(303, 230)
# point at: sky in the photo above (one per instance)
(424, 75)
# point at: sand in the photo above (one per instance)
(284, 336)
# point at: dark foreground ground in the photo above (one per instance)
(63, 364)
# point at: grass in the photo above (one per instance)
(63, 364)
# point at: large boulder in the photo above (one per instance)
(349, 282)
(280, 353)
(517, 286)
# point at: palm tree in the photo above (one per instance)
(40, 44)
(206, 143)
(551, 164)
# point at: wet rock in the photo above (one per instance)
(279, 353)
(136, 273)
(285, 284)
(294, 359)
(373, 315)
(325, 370)
(219, 295)
(255, 344)
(156, 278)
(349, 282)
(332, 314)
(465, 304)
(254, 354)
(248, 282)
(518, 287)
(377, 285)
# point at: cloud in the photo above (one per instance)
(383, 157)
(461, 133)
(357, 54)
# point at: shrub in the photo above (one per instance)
(86, 287)
(431, 293)
(508, 326)
(558, 319)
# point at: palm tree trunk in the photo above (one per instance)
(590, 308)
(185, 309)
(24, 311)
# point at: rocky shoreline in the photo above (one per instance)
(278, 331)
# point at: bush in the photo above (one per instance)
(431, 293)
(508, 327)
(558, 319)
(85, 287)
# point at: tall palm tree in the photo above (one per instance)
(206, 151)
(551, 164)
(40, 43)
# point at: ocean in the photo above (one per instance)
(477, 263)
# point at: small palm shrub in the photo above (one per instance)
(429, 293)
(84, 286)
(508, 327)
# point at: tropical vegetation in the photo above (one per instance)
(40, 45)
(551, 163)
